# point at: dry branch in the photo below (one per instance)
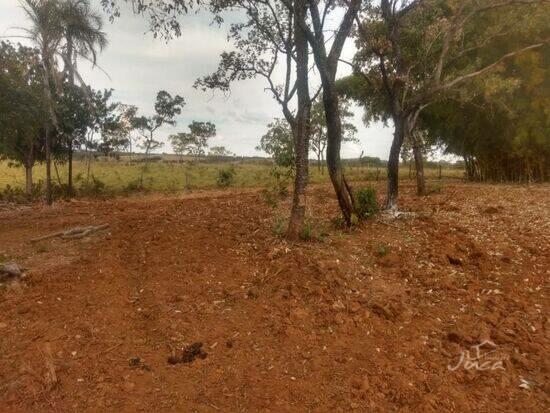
(73, 233)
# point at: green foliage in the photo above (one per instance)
(93, 187)
(219, 151)
(15, 195)
(166, 109)
(382, 250)
(366, 203)
(226, 177)
(279, 226)
(270, 198)
(133, 186)
(22, 110)
(194, 142)
(307, 231)
(278, 142)
(118, 174)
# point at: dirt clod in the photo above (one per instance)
(189, 354)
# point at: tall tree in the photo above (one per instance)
(194, 142)
(415, 51)
(166, 109)
(22, 109)
(83, 38)
(327, 55)
(46, 32)
(265, 40)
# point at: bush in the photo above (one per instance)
(15, 195)
(95, 187)
(226, 177)
(382, 250)
(366, 204)
(279, 226)
(19, 196)
(133, 186)
(307, 232)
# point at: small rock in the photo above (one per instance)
(454, 260)
(339, 318)
(135, 362)
(24, 309)
(129, 386)
(3, 326)
(354, 307)
(253, 293)
(11, 269)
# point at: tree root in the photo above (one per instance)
(73, 233)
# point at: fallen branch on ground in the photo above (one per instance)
(73, 233)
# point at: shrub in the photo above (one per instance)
(382, 250)
(279, 226)
(226, 177)
(13, 194)
(133, 186)
(94, 187)
(366, 204)
(270, 198)
(307, 232)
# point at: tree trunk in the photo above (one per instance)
(49, 196)
(28, 179)
(53, 119)
(393, 163)
(334, 164)
(70, 167)
(419, 165)
(301, 130)
(57, 174)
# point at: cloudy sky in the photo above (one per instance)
(139, 66)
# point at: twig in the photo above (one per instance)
(73, 233)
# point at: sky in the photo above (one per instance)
(138, 66)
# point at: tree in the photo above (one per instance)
(414, 52)
(220, 151)
(501, 134)
(202, 132)
(65, 29)
(194, 142)
(327, 56)
(83, 38)
(166, 109)
(22, 109)
(266, 38)
(278, 142)
(46, 33)
(116, 129)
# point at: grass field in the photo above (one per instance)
(120, 175)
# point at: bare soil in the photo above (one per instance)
(190, 303)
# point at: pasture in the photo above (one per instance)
(169, 175)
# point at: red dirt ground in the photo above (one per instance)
(368, 320)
